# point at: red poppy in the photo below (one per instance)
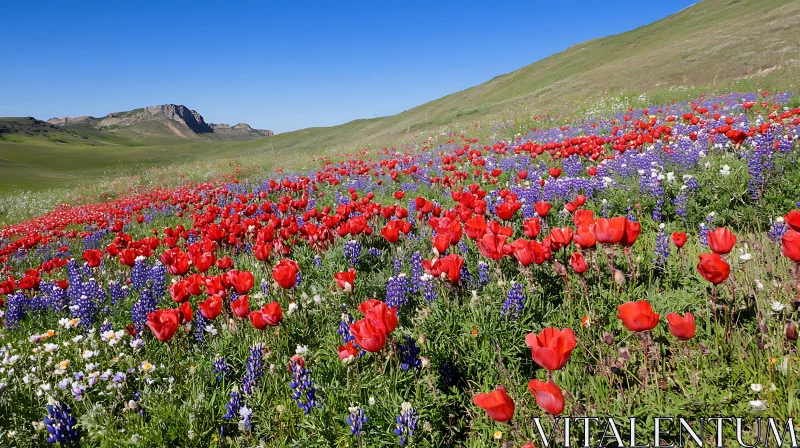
(548, 396)
(583, 218)
(532, 227)
(225, 263)
(186, 312)
(632, 231)
(285, 273)
(241, 306)
(384, 316)
(552, 347)
(554, 172)
(369, 334)
(475, 227)
(721, 240)
(542, 208)
(610, 231)
(679, 239)
(179, 292)
(507, 209)
(164, 323)
(242, 281)
(391, 231)
(211, 307)
(792, 219)
(584, 238)
(347, 351)
(176, 260)
(681, 327)
(497, 404)
(93, 257)
(638, 316)
(791, 245)
(441, 242)
(491, 246)
(578, 263)
(270, 314)
(561, 237)
(8, 286)
(713, 268)
(346, 280)
(451, 266)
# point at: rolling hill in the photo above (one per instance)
(712, 45)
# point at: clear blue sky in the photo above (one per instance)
(281, 66)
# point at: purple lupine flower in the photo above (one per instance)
(406, 423)
(60, 424)
(303, 390)
(514, 301)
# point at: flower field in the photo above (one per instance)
(453, 292)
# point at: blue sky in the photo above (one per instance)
(281, 66)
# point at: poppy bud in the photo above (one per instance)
(619, 277)
(791, 331)
(608, 338)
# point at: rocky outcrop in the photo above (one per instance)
(180, 113)
(166, 119)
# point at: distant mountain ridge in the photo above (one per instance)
(166, 120)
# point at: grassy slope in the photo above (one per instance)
(706, 45)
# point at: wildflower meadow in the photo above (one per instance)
(457, 291)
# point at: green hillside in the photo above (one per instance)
(713, 45)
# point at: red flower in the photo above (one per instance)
(491, 246)
(242, 281)
(632, 231)
(792, 219)
(348, 351)
(8, 286)
(369, 334)
(548, 396)
(554, 172)
(791, 245)
(241, 307)
(211, 307)
(285, 273)
(179, 292)
(713, 268)
(225, 263)
(346, 280)
(177, 261)
(679, 238)
(186, 312)
(383, 316)
(638, 316)
(721, 240)
(532, 227)
(497, 404)
(391, 231)
(441, 242)
(271, 314)
(507, 209)
(93, 257)
(542, 208)
(475, 227)
(610, 231)
(681, 327)
(578, 263)
(399, 195)
(451, 266)
(552, 347)
(561, 236)
(583, 218)
(527, 252)
(164, 323)
(584, 237)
